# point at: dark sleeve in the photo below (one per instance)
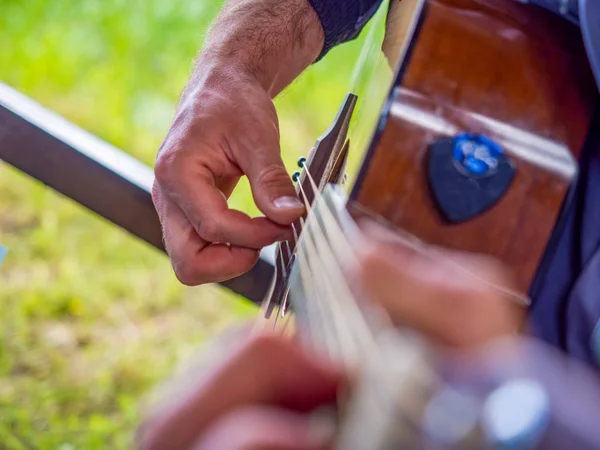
(343, 20)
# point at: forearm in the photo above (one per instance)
(270, 40)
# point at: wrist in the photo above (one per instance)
(218, 75)
(272, 41)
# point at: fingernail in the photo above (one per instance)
(287, 203)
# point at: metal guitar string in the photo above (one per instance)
(316, 307)
(349, 338)
(330, 272)
(344, 312)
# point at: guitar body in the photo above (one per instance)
(510, 73)
(511, 81)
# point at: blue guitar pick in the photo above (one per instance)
(467, 175)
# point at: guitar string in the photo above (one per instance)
(328, 277)
(311, 250)
(335, 275)
(348, 336)
(367, 339)
(352, 305)
(340, 250)
(286, 323)
(279, 307)
(314, 301)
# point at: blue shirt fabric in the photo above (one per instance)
(566, 309)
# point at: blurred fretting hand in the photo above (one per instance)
(257, 398)
(459, 300)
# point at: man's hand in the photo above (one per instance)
(226, 127)
(258, 398)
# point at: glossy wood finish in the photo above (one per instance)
(507, 70)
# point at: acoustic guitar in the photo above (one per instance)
(462, 130)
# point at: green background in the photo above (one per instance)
(91, 320)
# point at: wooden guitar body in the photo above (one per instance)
(510, 72)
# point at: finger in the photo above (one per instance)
(260, 428)
(194, 260)
(272, 187)
(456, 304)
(191, 185)
(266, 370)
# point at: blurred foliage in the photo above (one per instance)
(92, 319)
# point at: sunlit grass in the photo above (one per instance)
(91, 318)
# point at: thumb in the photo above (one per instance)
(273, 189)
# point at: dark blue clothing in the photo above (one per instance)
(343, 20)
(566, 310)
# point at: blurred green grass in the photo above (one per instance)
(92, 319)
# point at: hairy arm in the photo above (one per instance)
(271, 40)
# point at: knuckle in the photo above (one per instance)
(165, 164)
(211, 230)
(187, 275)
(274, 175)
